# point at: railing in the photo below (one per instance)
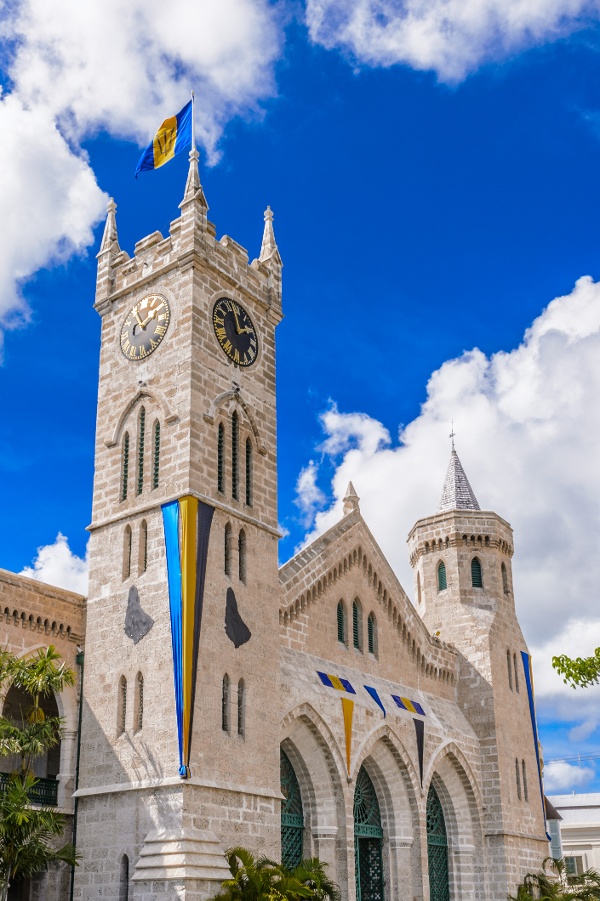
(44, 792)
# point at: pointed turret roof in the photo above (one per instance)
(193, 187)
(269, 248)
(457, 493)
(110, 240)
(351, 500)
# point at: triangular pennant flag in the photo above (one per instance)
(420, 732)
(376, 698)
(348, 711)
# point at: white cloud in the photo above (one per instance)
(452, 37)
(309, 496)
(583, 731)
(57, 565)
(562, 776)
(528, 433)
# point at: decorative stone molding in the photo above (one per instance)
(182, 854)
(143, 392)
(234, 393)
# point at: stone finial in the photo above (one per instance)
(268, 250)
(110, 240)
(457, 493)
(351, 500)
(193, 188)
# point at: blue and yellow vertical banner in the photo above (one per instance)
(529, 682)
(173, 136)
(186, 524)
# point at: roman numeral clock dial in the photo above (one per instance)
(235, 332)
(145, 326)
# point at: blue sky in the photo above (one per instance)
(432, 196)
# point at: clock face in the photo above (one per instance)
(145, 326)
(235, 332)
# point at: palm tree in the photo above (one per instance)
(261, 879)
(560, 886)
(311, 873)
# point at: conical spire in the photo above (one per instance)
(193, 188)
(110, 240)
(269, 249)
(457, 493)
(351, 500)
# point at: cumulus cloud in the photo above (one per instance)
(562, 776)
(57, 565)
(450, 37)
(76, 69)
(309, 496)
(528, 432)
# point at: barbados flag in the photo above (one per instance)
(174, 135)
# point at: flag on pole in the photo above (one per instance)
(173, 136)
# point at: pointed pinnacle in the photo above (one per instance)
(351, 500)
(269, 245)
(457, 493)
(193, 188)
(110, 240)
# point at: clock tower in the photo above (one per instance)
(180, 740)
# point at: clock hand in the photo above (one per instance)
(150, 316)
(137, 316)
(237, 322)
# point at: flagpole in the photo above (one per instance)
(193, 147)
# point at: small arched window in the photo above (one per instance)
(141, 442)
(418, 588)
(143, 549)
(504, 578)
(225, 704)
(516, 672)
(127, 552)
(476, 574)
(518, 777)
(242, 556)
(235, 437)
(156, 458)
(441, 576)
(228, 541)
(356, 624)
(138, 715)
(248, 472)
(372, 633)
(241, 709)
(221, 458)
(341, 622)
(524, 771)
(124, 879)
(122, 706)
(509, 664)
(125, 467)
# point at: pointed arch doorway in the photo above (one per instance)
(437, 849)
(292, 814)
(368, 840)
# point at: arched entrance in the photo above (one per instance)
(368, 840)
(437, 849)
(292, 816)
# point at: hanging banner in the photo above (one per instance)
(420, 733)
(376, 698)
(186, 524)
(529, 681)
(348, 711)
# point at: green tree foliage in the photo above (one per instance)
(579, 672)
(29, 835)
(261, 879)
(554, 884)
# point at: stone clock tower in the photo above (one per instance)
(186, 409)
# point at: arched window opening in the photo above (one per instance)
(357, 625)
(441, 576)
(138, 716)
(124, 879)
(524, 771)
(518, 777)
(248, 472)
(509, 664)
(143, 550)
(125, 467)
(122, 706)
(476, 574)
(341, 622)
(504, 578)
(235, 437)
(228, 541)
(516, 672)
(221, 458)
(156, 459)
(368, 840)
(419, 588)
(437, 848)
(225, 723)
(127, 552)
(242, 556)
(241, 709)
(372, 634)
(292, 814)
(17, 708)
(141, 442)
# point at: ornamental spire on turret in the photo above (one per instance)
(457, 493)
(351, 500)
(268, 250)
(110, 240)
(193, 187)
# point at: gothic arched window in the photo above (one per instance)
(124, 879)
(372, 634)
(292, 814)
(509, 665)
(441, 576)
(524, 771)
(141, 442)
(242, 556)
(418, 588)
(225, 724)
(516, 672)
(125, 467)
(143, 551)
(126, 552)
(156, 459)
(518, 777)
(341, 622)
(228, 541)
(248, 472)
(138, 706)
(235, 440)
(357, 624)
(122, 706)
(476, 574)
(504, 578)
(241, 709)
(221, 458)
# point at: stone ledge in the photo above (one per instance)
(182, 854)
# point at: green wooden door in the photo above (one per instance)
(292, 817)
(437, 849)
(368, 840)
